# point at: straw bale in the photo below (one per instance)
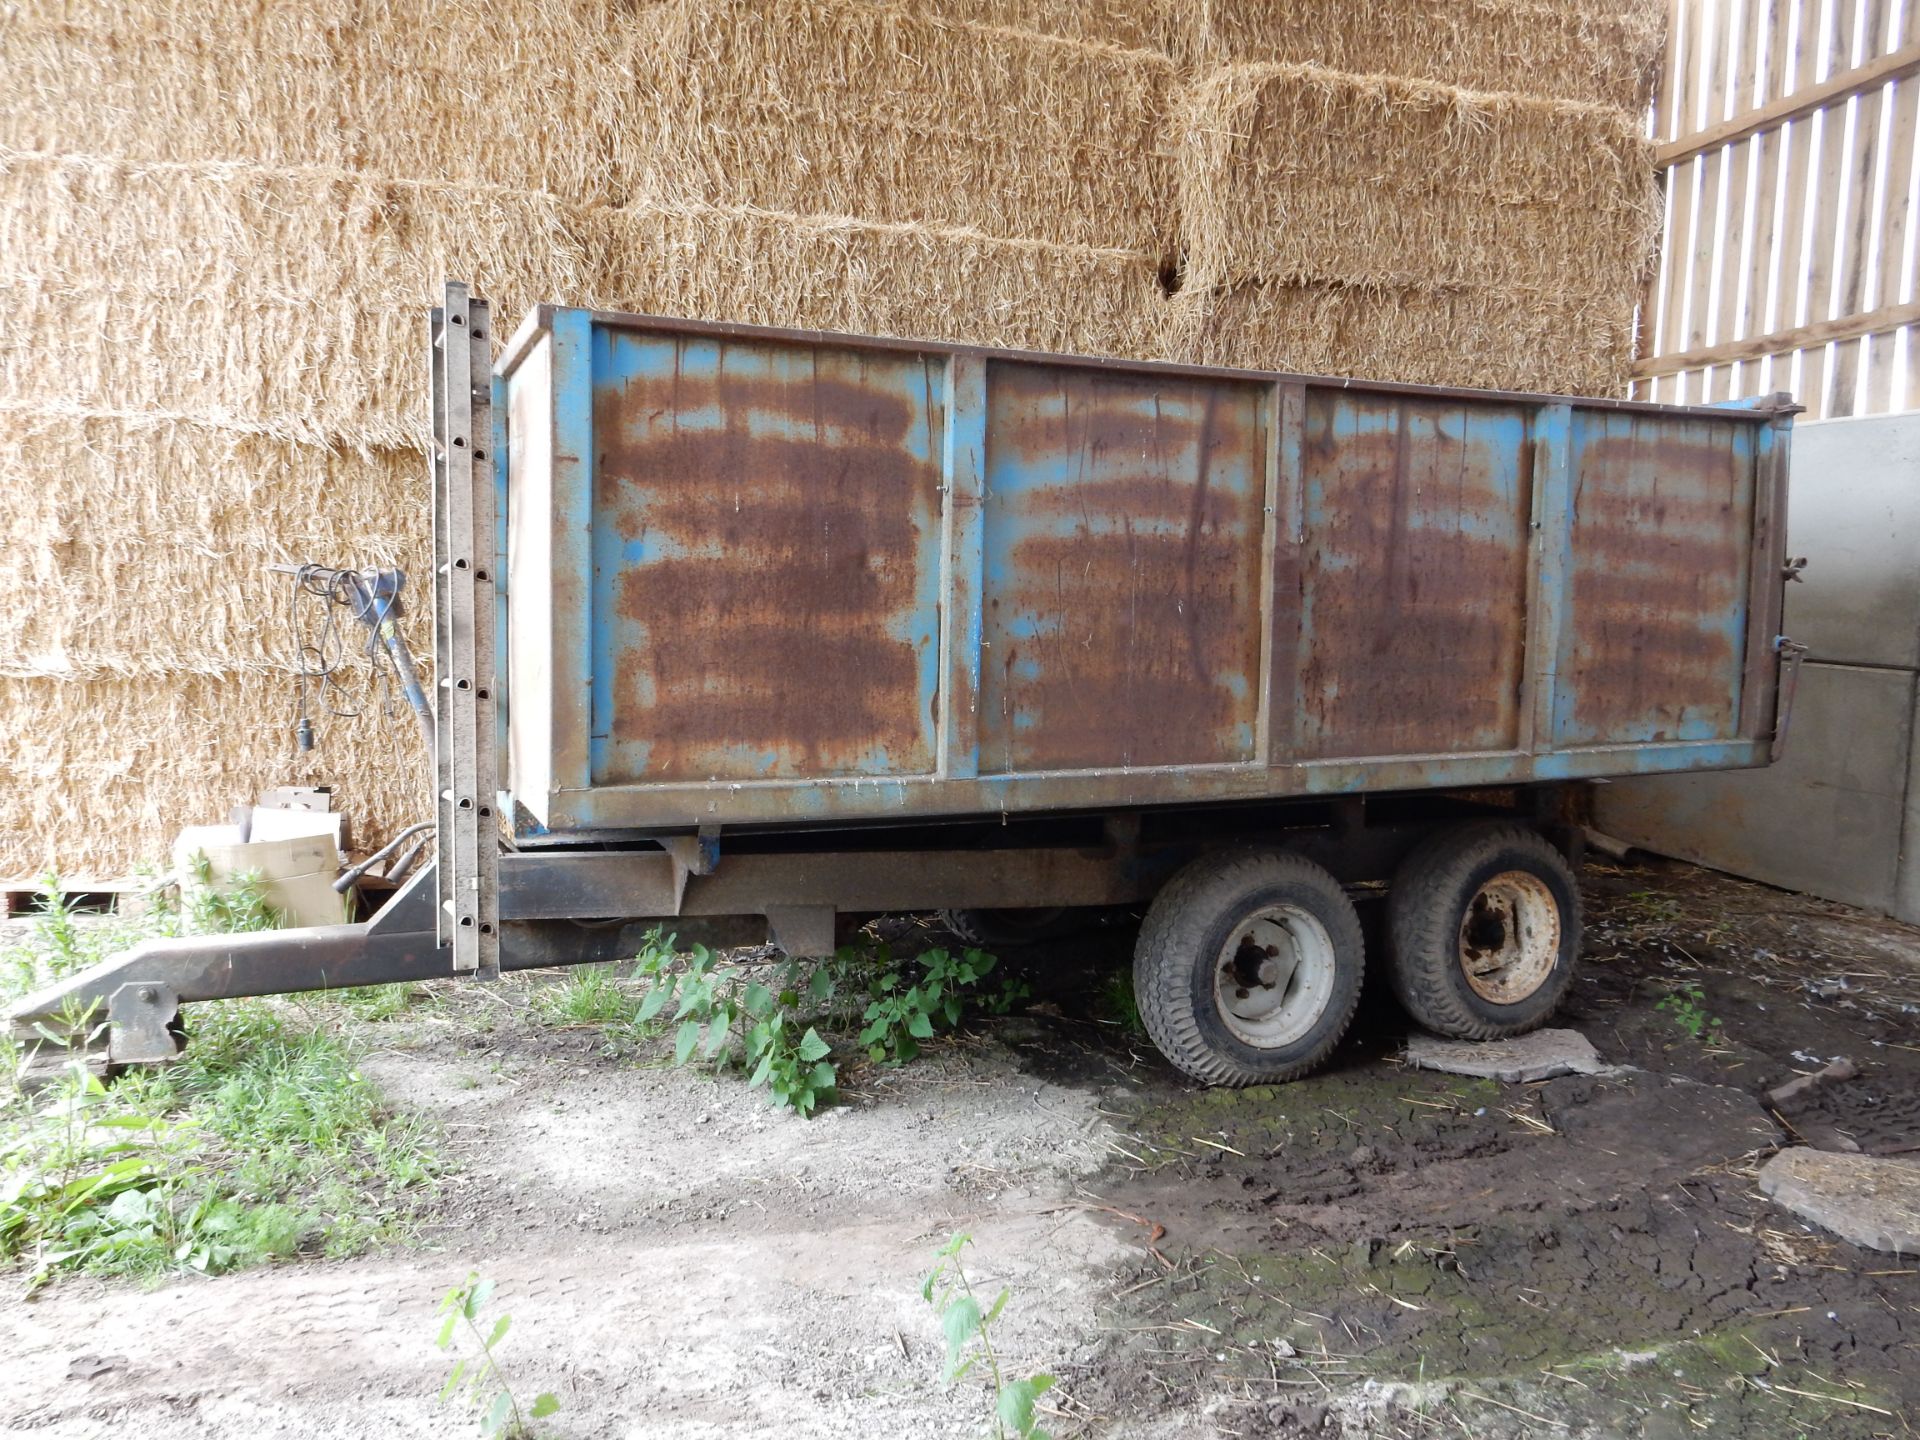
(99, 775)
(816, 272)
(143, 545)
(1603, 52)
(1298, 173)
(839, 107)
(525, 94)
(1172, 27)
(285, 300)
(1487, 338)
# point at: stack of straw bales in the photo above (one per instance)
(221, 224)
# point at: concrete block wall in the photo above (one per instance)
(1839, 816)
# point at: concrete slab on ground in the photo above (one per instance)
(1539, 1056)
(1869, 1200)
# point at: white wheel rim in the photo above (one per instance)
(1274, 977)
(1510, 937)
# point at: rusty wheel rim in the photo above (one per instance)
(1510, 937)
(1274, 977)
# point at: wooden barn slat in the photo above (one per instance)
(1669, 99)
(1672, 336)
(1859, 219)
(1736, 164)
(1895, 238)
(1764, 179)
(1710, 75)
(1829, 201)
(1796, 166)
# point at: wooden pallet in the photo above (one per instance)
(22, 897)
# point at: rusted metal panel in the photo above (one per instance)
(1123, 563)
(1662, 531)
(1414, 575)
(766, 560)
(816, 579)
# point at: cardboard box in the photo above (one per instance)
(298, 871)
(268, 823)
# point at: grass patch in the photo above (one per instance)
(376, 1002)
(589, 995)
(263, 1140)
(1115, 1003)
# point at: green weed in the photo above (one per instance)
(723, 1014)
(262, 1139)
(60, 942)
(478, 1378)
(1116, 1003)
(908, 1009)
(1651, 907)
(1687, 1007)
(969, 1340)
(728, 1015)
(231, 906)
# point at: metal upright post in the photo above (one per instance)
(464, 760)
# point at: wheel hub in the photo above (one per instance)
(1275, 977)
(1509, 937)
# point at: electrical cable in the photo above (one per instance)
(321, 654)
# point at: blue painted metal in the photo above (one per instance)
(770, 576)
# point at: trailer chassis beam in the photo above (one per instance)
(796, 899)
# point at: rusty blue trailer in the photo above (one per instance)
(752, 634)
(759, 577)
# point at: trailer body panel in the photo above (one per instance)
(765, 577)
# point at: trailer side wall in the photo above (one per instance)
(760, 576)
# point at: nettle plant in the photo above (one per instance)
(904, 1013)
(719, 1010)
(767, 1019)
(477, 1377)
(968, 1330)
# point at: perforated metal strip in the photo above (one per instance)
(466, 706)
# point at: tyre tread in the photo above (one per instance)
(1175, 927)
(1418, 925)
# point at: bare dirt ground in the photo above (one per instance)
(1373, 1251)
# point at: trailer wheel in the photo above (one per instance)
(1483, 922)
(1248, 967)
(1010, 929)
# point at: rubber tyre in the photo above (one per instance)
(1186, 929)
(1010, 929)
(1427, 906)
